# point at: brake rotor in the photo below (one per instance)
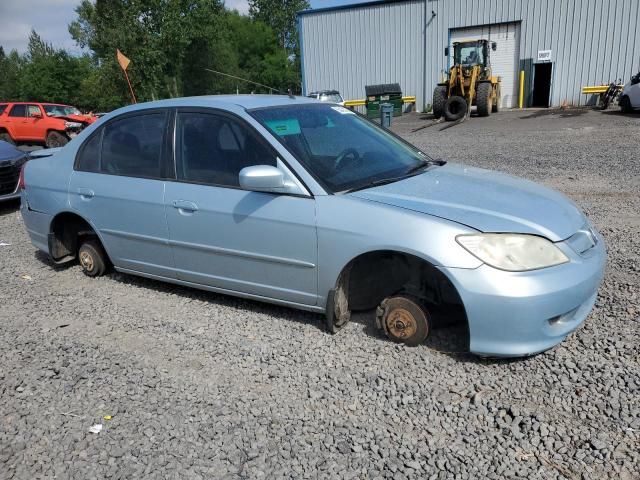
(400, 323)
(86, 260)
(404, 320)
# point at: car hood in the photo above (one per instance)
(84, 119)
(485, 200)
(10, 155)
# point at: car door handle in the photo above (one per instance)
(185, 206)
(86, 193)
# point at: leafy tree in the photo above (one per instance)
(171, 43)
(10, 68)
(280, 15)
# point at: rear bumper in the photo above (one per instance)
(518, 314)
(37, 225)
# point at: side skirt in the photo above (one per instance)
(249, 296)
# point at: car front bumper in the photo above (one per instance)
(513, 314)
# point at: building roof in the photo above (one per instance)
(348, 6)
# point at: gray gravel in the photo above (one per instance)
(207, 386)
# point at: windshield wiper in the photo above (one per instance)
(418, 168)
(375, 183)
(413, 171)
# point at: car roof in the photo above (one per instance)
(35, 103)
(247, 102)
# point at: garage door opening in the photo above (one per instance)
(541, 84)
(504, 60)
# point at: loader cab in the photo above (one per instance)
(472, 53)
(475, 53)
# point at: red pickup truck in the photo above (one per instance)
(48, 123)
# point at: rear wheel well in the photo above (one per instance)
(371, 277)
(66, 234)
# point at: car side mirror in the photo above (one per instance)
(446, 51)
(494, 46)
(35, 115)
(262, 178)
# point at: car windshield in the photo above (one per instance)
(61, 110)
(341, 149)
(330, 97)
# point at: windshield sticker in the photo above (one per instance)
(284, 127)
(343, 111)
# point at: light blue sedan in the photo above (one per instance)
(306, 204)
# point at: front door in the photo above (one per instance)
(118, 186)
(256, 243)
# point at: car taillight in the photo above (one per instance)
(21, 184)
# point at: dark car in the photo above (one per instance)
(11, 161)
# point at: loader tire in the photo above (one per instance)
(439, 99)
(483, 99)
(455, 108)
(497, 99)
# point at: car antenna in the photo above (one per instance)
(252, 82)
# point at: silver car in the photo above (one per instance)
(309, 205)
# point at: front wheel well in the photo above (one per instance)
(66, 234)
(371, 277)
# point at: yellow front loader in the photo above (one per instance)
(469, 82)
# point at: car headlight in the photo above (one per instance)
(511, 251)
(72, 124)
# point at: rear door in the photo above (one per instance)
(16, 121)
(118, 186)
(251, 242)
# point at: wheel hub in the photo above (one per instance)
(401, 323)
(86, 260)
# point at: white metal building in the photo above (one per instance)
(561, 45)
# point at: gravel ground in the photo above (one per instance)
(199, 385)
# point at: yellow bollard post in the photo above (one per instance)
(521, 99)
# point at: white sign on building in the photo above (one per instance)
(544, 55)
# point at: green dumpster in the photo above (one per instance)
(386, 93)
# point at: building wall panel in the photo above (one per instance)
(592, 42)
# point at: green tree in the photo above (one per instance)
(280, 15)
(155, 34)
(10, 68)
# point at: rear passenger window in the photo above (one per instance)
(133, 146)
(212, 149)
(18, 111)
(89, 156)
(33, 110)
(2, 108)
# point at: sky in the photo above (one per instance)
(50, 19)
